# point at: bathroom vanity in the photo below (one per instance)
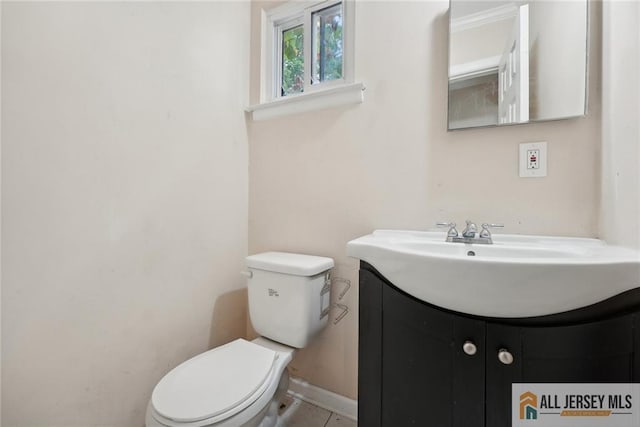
(446, 328)
(420, 365)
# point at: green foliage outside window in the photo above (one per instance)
(292, 61)
(326, 61)
(328, 45)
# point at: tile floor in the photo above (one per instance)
(298, 413)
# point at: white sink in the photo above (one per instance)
(516, 276)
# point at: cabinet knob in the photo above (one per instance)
(505, 357)
(469, 348)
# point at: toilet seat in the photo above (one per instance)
(215, 385)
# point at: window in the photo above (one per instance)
(292, 60)
(326, 56)
(308, 47)
(306, 61)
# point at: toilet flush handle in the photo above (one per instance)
(248, 274)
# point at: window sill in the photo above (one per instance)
(351, 93)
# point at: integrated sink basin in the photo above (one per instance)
(516, 276)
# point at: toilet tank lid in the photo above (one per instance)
(289, 263)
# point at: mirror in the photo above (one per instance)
(516, 62)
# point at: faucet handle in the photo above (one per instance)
(453, 232)
(485, 229)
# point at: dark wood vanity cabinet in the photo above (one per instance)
(413, 370)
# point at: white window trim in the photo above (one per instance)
(336, 96)
(327, 94)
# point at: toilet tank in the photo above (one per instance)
(289, 296)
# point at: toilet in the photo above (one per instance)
(242, 383)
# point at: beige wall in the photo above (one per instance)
(124, 201)
(620, 211)
(319, 179)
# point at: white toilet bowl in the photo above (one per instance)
(238, 384)
(242, 383)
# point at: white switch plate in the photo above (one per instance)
(533, 159)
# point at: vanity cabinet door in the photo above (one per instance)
(500, 375)
(468, 404)
(428, 379)
(596, 352)
(370, 349)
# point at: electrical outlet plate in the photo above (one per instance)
(533, 159)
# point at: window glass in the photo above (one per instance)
(326, 42)
(292, 60)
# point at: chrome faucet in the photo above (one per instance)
(470, 230)
(469, 233)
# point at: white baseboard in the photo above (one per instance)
(323, 398)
